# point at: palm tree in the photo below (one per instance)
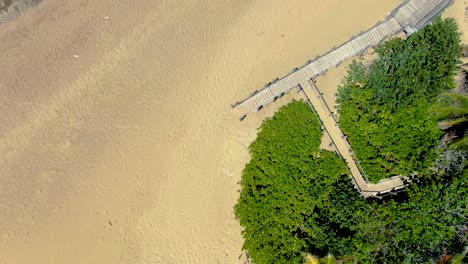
(462, 77)
(329, 259)
(460, 259)
(454, 112)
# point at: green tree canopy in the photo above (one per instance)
(384, 109)
(297, 201)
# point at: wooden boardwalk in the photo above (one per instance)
(331, 126)
(409, 17)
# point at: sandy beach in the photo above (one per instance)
(118, 143)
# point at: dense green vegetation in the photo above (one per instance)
(297, 200)
(384, 109)
(281, 185)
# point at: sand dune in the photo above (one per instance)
(117, 140)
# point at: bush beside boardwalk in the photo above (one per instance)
(297, 199)
(384, 110)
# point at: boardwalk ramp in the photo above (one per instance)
(408, 17)
(342, 146)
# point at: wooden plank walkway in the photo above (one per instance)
(412, 14)
(409, 16)
(343, 147)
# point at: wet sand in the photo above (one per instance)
(117, 140)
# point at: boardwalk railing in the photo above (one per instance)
(409, 16)
(343, 148)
